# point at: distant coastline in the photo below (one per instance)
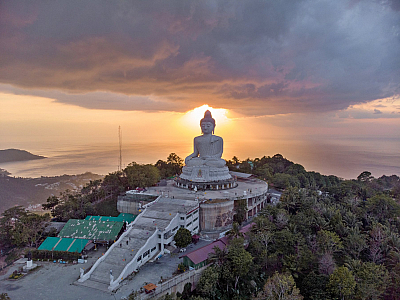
(344, 158)
(14, 155)
(31, 192)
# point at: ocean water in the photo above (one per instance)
(345, 158)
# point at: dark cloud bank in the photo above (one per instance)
(258, 57)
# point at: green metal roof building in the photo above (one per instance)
(91, 229)
(121, 218)
(64, 244)
(76, 234)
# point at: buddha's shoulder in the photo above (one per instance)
(214, 138)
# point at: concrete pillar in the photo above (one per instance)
(162, 242)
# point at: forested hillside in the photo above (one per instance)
(327, 238)
(31, 191)
(336, 239)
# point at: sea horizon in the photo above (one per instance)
(345, 158)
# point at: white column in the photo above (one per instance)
(162, 242)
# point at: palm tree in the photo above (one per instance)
(218, 257)
(235, 231)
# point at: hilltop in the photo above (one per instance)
(12, 155)
(33, 191)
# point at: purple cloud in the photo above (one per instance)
(256, 57)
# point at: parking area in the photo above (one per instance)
(53, 281)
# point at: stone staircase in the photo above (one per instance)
(117, 258)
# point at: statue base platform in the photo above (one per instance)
(29, 266)
(205, 178)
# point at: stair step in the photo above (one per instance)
(100, 279)
(94, 285)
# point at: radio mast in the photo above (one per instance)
(120, 148)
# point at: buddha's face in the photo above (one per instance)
(207, 127)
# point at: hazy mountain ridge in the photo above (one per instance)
(31, 191)
(12, 155)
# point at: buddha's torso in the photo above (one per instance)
(208, 145)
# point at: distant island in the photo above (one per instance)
(13, 155)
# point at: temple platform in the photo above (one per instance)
(217, 206)
(205, 178)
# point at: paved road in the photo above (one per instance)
(55, 281)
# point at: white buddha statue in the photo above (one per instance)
(208, 148)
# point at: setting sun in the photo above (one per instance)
(193, 117)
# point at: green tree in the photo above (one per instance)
(314, 287)
(239, 263)
(284, 242)
(280, 287)
(73, 206)
(36, 225)
(235, 231)
(52, 201)
(264, 172)
(291, 199)
(115, 183)
(19, 228)
(207, 285)
(382, 207)
(342, 283)
(7, 225)
(365, 176)
(171, 167)
(186, 293)
(393, 291)
(371, 279)
(260, 239)
(355, 243)
(328, 241)
(218, 256)
(183, 237)
(282, 181)
(141, 175)
(175, 161)
(246, 166)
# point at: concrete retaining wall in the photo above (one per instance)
(216, 216)
(175, 284)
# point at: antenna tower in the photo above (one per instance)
(120, 148)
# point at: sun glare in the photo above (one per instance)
(192, 117)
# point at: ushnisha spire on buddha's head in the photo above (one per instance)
(208, 118)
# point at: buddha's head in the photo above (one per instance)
(207, 124)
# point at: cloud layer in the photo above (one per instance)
(256, 57)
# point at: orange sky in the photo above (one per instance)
(24, 116)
